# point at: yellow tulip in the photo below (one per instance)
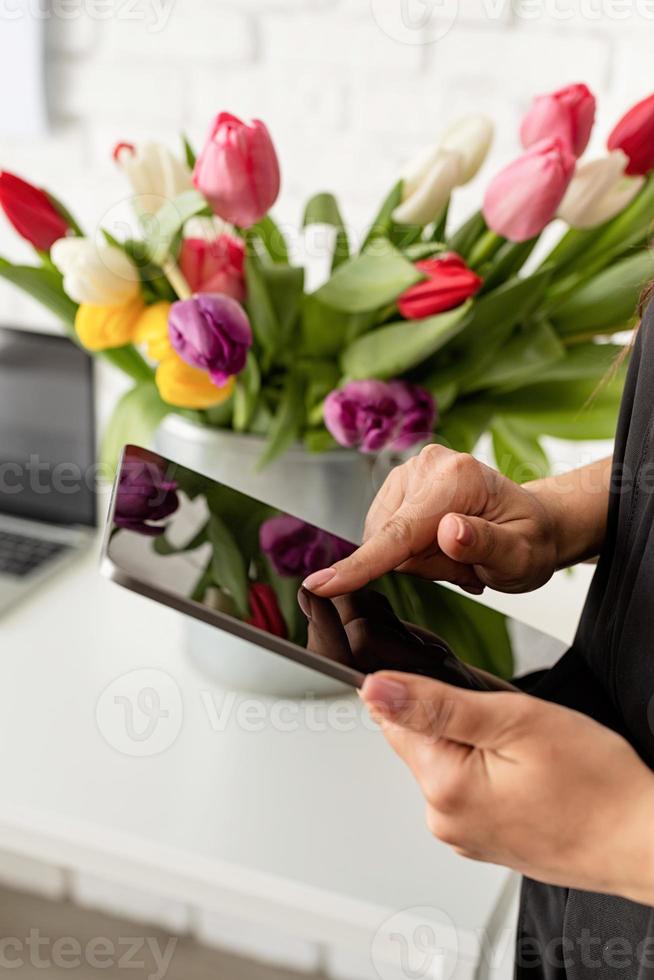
(152, 331)
(185, 386)
(102, 327)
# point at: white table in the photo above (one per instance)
(316, 834)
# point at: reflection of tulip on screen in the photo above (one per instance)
(296, 549)
(144, 495)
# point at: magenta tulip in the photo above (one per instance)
(375, 415)
(525, 196)
(567, 114)
(211, 331)
(296, 549)
(238, 170)
(634, 135)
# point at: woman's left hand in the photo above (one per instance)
(520, 782)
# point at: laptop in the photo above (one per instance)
(48, 511)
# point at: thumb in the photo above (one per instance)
(437, 710)
(474, 541)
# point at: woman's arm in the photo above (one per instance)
(517, 781)
(444, 515)
(578, 504)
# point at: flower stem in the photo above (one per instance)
(174, 276)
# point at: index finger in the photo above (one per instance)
(381, 553)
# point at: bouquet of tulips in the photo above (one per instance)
(420, 332)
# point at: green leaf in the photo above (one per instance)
(285, 287)
(162, 228)
(518, 453)
(320, 441)
(227, 564)
(323, 209)
(261, 311)
(463, 241)
(128, 360)
(134, 420)
(462, 426)
(534, 348)
(272, 238)
(508, 261)
(383, 224)
(369, 281)
(287, 422)
(606, 302)
(423, 250)
(393, 349)
(189, 153)
(246, 393)
(45, 285)
(162, 545)
(582, 361)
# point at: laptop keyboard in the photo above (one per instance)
(20, 554)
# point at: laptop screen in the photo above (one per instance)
(47, 445)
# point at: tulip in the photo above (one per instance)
(567, 114)
(212, 332)
(375, 415)
(265, 610)
(100, 274)
(31, 212)
(427, 191)
(104, 327)
(214, 266)
(599, 190)
(634, 135)
(471, 137)
(155, 174)
(525, 196)
(449, 283)
(144, 495)
(152, 330)
(296, 549)
(238, 171)
(184, 386)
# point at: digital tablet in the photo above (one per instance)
(236, 563)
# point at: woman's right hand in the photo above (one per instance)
(444, 515)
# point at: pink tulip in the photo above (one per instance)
(525, 196)
(214, 267)
(238, 170)
(567, 115)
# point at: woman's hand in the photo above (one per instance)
(520, 782)
(444, 515)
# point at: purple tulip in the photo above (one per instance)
(376, 415)
(211, 331)
(144, 495)
(296, 548)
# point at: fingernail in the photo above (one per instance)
(464, 533)
(304, 602)
(385, 694)
(319, 578)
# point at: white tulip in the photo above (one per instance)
(599, 190)
(470, 136)
(427, 191)
(156, 175)
(99, 274)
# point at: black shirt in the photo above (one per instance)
(608, 674)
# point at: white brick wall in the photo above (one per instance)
(348, 89)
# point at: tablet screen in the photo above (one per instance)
(189, 537)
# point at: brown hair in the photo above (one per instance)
(646, 296)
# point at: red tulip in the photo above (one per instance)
(265, 611)
(567, 115)
(238, 170)
(634, 135)
(450, 283)
(214, 267)
(525, 196)
(31, 212)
